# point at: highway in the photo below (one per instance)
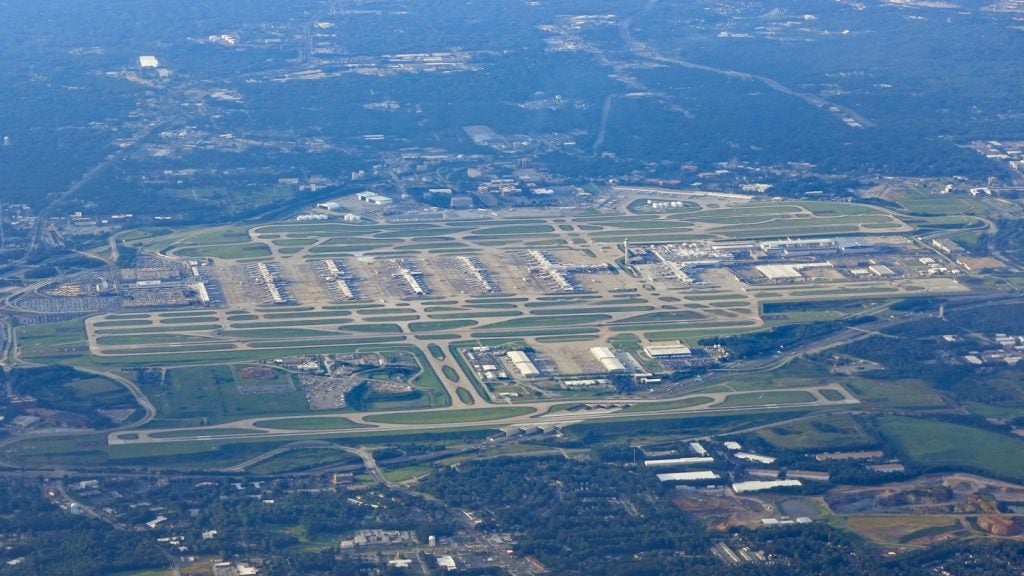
(645, 52)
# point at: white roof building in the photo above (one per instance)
(679, 461)
(760, 485)
(779, 271)
(755, 458)
(523, 364)
(881, 270)
(374, 198)
(667, 350)
(688, 476)
(148, 62)
(446, 562)
(607, 359)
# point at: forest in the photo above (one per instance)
(56, 543)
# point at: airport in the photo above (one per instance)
(529, 311)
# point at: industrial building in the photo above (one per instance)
(761, 485)
(447, 563)
(881, 270)
(676, 350)
(785, 521)
(688, 476)
(809, 475)
(607, 359)
(374, 198)
(523, 364)
(947, 246)
(853, 246)
(779, 271)
(754, 458)
(679, 461)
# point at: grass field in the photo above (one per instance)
(223, 356)
(771, 380)
(669, 405)
(149, 339)
(832, 395)
(889, 529)
(440, 325)
(123, 323)
(464, 395)
(210, 432)
(92, 450)
(896, 393)
(450, 417)
(303, 459)
(936, 444)
(755, 399)
(47, 343)
(549, 321)
(826, 432)
(319, 423)
(407, 473)
(226, 251)
(211, 395)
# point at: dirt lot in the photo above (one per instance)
(722, 509)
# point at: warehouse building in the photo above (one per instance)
(688, 476)
(881, 270)
(329, 206)
(374, 198)
(522, 363)
(761, 485)
(754, 458)
(947, 246)
(676, 350)
(607, 359)
(679, 461)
